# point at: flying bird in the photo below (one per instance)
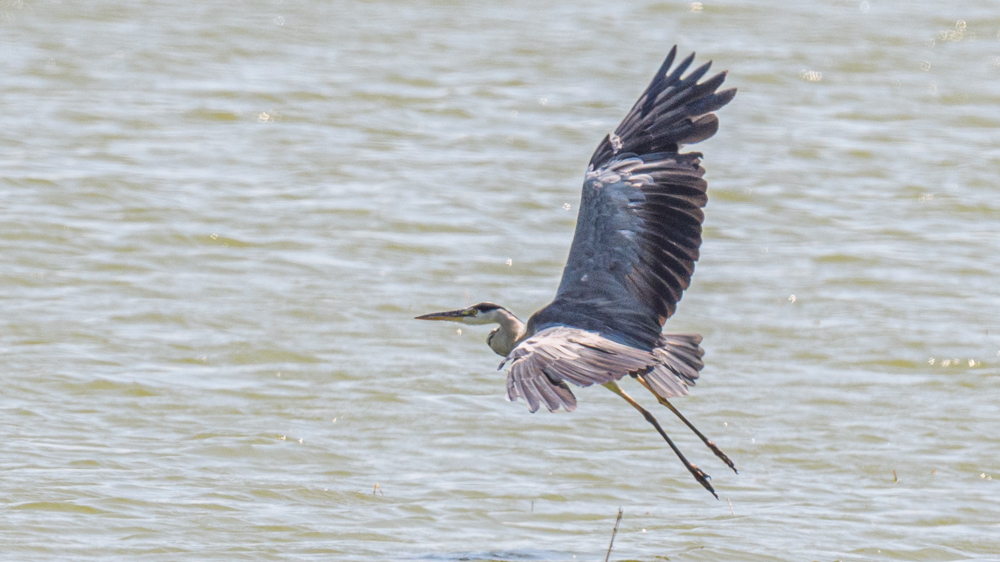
(637, 239)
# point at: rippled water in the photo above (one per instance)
(219, 219)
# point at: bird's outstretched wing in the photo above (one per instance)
(637, 238)
(639, 225)
(541, 365)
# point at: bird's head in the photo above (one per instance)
(482, 313)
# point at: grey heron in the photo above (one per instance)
(637, 238)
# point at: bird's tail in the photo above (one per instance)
(679, 357)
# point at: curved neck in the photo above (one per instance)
(504, 339)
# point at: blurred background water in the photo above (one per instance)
(218, 219)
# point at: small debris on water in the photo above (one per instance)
(510, 262)
(791, 298)
(894, 477)
(567, 206)
(613, 533)
(811, 75)
(696, 7)
(954, 35)
(731, 507)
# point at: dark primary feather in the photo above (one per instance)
(671, 112)
(639, 225)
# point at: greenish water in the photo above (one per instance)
(218, 219)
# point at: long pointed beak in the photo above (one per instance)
(452, 315)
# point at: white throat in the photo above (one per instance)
(504, 339)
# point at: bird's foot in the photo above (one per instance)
(702, 478)
(718, 452)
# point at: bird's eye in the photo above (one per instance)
(471, 312)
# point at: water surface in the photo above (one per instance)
(219, 219)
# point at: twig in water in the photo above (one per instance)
(613, 533)
(377, 490)
(730, 507)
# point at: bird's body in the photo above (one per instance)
(637, 238)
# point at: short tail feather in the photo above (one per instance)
(680, 361)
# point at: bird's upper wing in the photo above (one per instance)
(541, 365)
(639, 225)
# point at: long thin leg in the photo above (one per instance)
(695, 471)
(711, 445)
